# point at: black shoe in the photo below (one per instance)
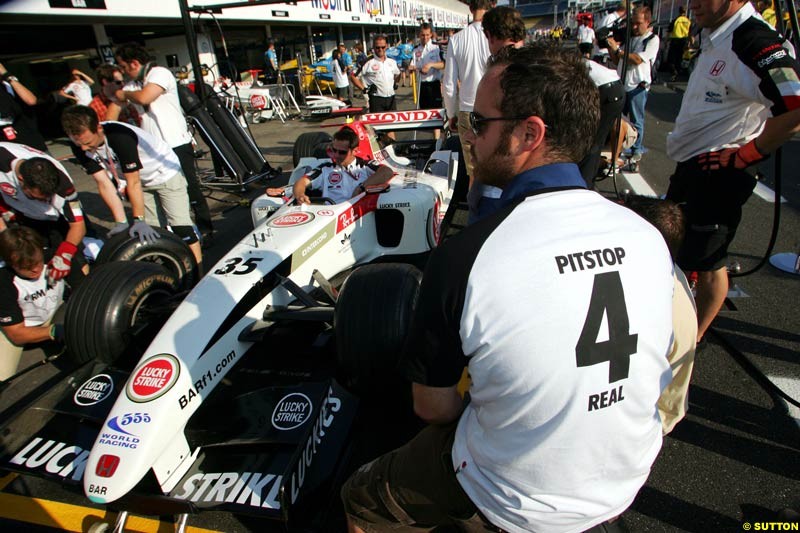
(207, 240)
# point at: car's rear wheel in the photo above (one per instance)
(372, 319)
(169, 251)
(118, 310)
(311, 144)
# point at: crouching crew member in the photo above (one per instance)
(28, 300)
(122, 156)
(36, 191)
(744, 73)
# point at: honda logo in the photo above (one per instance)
(107, 465)
(717, 68)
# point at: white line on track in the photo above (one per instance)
(790, 386)
(638, 184)
(765, 193)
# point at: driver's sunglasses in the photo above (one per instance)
(340, 152)
(379, 48)
(477, 122)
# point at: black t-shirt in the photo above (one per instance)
(23, 129)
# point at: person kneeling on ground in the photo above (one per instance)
(141, 165)
(344, 177)
(28, 300)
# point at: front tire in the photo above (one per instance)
(372, 319)
(117, 310)
(311, 144)
(169, 251)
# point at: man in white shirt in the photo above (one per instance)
(464, 65)
(154, 92)
(585, 38)
(143, 167)
(378, 77)
(427, 60)
(642, 52)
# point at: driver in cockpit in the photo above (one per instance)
(344, 177)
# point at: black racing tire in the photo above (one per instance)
(117, 309)
(169, 251)
(311, 144)
(372, 319)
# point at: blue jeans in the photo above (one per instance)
(635, 101)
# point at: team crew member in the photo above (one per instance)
(154, 92)
(36, 191)
(427, 59)
(503, 27)
(518, 456)
(141, 164)
(642, 52)
(585, 37)
(379, 78)
(612, 102)
(744, 73)
(344, 177)
(464, 65)
(17, 117)
(28, 300)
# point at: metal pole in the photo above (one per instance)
(191, 44)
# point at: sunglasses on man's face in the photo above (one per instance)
(477, 122)
(340, 152)
(379, 48)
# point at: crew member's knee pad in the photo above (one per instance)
(186, 233)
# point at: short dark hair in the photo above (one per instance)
(681, 10)
(77, 118)
(477, 5)
(130, 51)
(347, 134)
(504, 22)
(665, 215)
(552, 83)
(380, 37)
(425, 26)
(40, 173)
(106, 71)
(21, 247)
(645, 12)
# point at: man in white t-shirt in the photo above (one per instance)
(564, 325)
(154, 92)
(585, 38)
(28, 300)
(124, 159)
(378, 77)
(344, 177)
(642, 52)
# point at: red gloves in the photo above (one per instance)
(60, 264)
(740, 158)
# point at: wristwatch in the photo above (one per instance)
(139, 218)
(9, 77)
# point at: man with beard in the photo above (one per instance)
(521, 298)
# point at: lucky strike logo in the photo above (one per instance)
(334, 178)
(292, 219)
(291, 412)
(258, 101)
(94, 390)
(8, 189)
(153, 378)
(376, 67)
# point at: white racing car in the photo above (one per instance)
(242, 398)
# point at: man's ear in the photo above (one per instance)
(533, 133)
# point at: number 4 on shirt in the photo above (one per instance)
(607, 298)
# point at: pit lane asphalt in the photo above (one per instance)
(736, 456)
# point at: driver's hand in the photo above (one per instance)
(302, 199)
(276, 192)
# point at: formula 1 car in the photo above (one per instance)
(247, 387)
